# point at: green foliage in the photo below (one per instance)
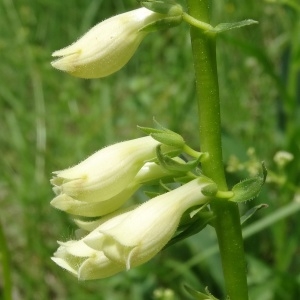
(50, 120)
(251, 212)
(229, 26)
(249, 188)
(199, 295)
(164, 135)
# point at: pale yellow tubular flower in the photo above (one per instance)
(105, 173)
(87, 225)
(87, 263)
(90, 264)
(148, 172)
(93, 203)
(106, 47)
(94, 208)
(98, 266)
(148, 228)
(128, 237)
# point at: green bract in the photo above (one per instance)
(170, 8)
(249, 188)
(164, 135)
(229, 26)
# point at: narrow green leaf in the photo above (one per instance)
(194, 225)
(184, 179)
(164, 186)
(229, 26)
(149, 130)
(251, 212)
(202, 208)
(159, 126)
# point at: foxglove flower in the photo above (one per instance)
(106, 47)
(148, 228)
(131, 238)
(104, 181)
(150, 171)
(85, 262)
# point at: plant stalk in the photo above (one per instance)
(227, 221)
(5, 262)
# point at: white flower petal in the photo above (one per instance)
(64, 264)
(98, 266)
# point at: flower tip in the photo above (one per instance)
(66, 59)
(62, 202)
(63, 65)
(56, 53)
(63, 264)
(94, 241)
(64, 52)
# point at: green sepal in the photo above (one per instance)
(198, 295)
(184, 179)
(162, 24)
(252, 211)
(170, 139)
(194, 211)
(166, 7)
(189, 226)
(249, 188)
(164, 187)
(172, 165)
(229, 26)
(164, 135)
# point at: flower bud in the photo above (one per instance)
(106, 47)
(104, 181)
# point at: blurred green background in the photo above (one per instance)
(50, 120)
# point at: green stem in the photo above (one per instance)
(227, 222)
(193, 153)
(293, 73)
(197, 23)
(5, 262)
